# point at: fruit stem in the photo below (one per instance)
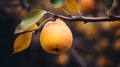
(54, 18)
(44, 22)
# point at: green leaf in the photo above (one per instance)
(57, 3)
(30, 19)
(108, 6)
(111, 7)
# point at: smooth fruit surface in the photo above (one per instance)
(87, 6)
(56, 37)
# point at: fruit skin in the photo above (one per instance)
(87, 6)
(56, 37)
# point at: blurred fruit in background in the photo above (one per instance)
(116, 45)
(102, 61)
(101, 45)
(62, 59)
(114, 24)
(89, 30)
(87, 6)
(78, 26)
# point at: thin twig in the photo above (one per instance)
(114, 5)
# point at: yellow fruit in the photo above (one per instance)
(56, 37)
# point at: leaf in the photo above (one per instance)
(22, 42)
(111, 7)
(57, 3)
(70, 7)
(31, 28)
(30, 19)
(108, 6)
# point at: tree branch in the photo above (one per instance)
(90, 19)
(82, 18)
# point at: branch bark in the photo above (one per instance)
(82, 18)
(90, 19)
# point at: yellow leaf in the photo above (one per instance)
(70, 7)
(22, 42)
(32, 27)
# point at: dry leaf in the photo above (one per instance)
(22, 42)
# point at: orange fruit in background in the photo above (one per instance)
(114, 28)
(116, 45)
(89, 30)
(87, 6)
(101, 45)
(114, 24)
(62, 59)
(56, 37)
(101, 61)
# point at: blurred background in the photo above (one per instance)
(94, 45)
